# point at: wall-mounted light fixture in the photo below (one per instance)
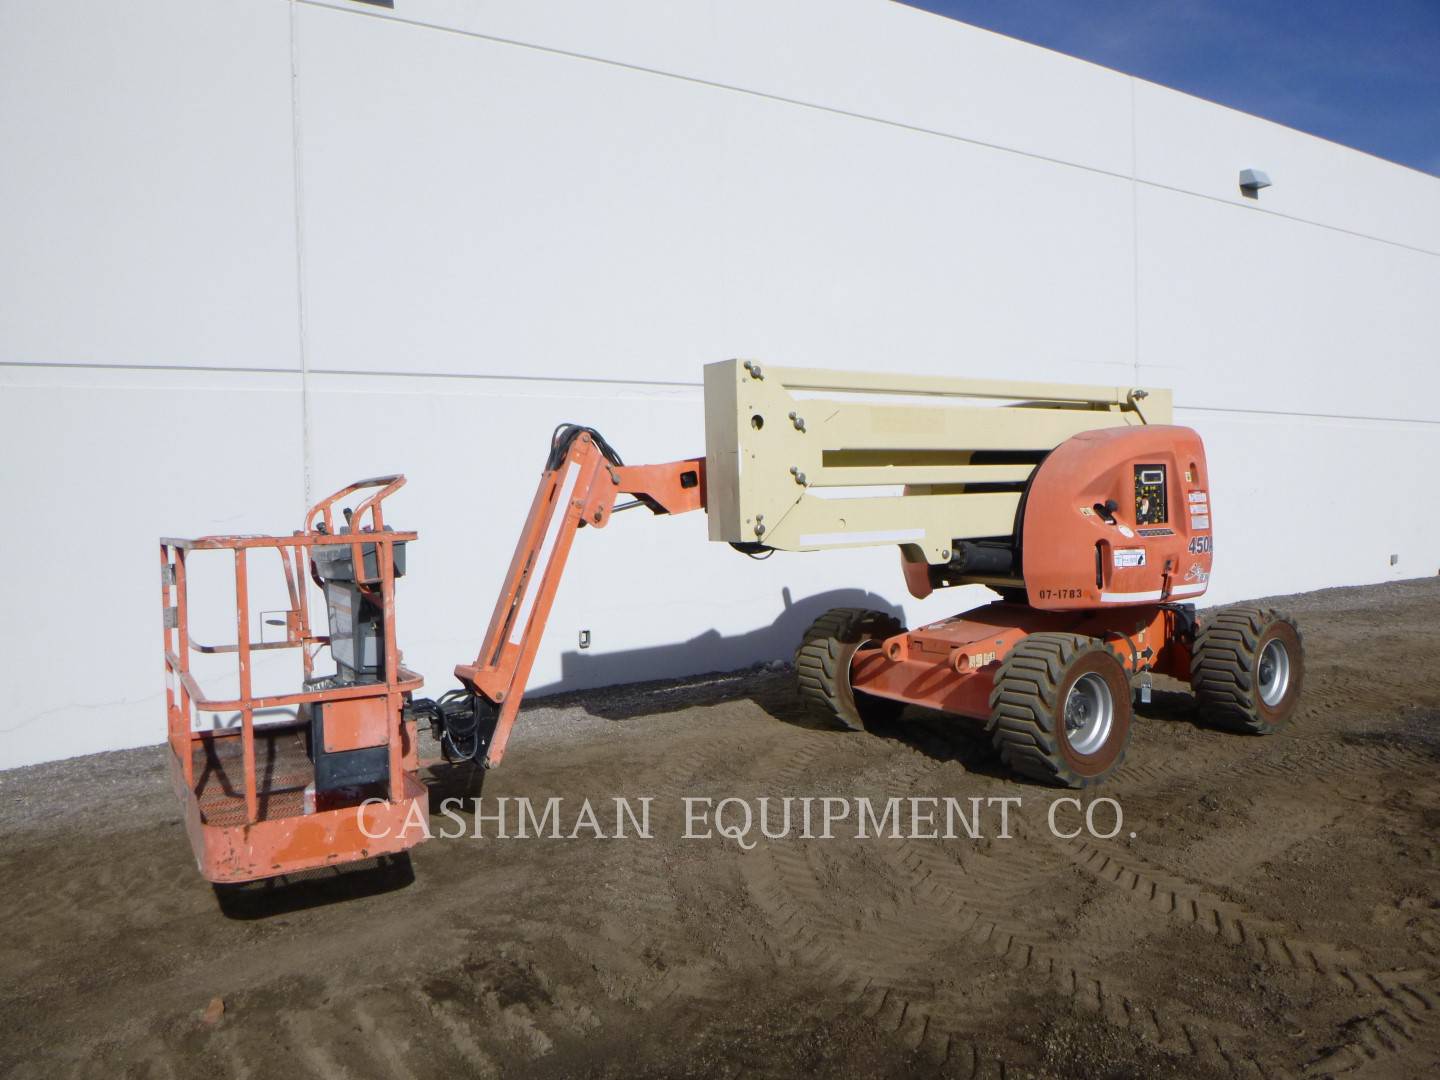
(1252, 180)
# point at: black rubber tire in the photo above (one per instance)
(1224, 663)
(1027, 706)
(822, 668)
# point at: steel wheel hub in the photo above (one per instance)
(1089, 713)
(1274, 672)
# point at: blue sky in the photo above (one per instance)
(1366, 74)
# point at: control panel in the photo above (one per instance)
(1151, 502)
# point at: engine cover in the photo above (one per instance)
(1118, 516)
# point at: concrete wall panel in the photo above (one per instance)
(147, 187)
(879, 60)
(512, 215)
(97, 465)
(623, 225)
(1310, 502)
(1247, 310)
(1194, 146)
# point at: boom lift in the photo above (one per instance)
(1082, 507)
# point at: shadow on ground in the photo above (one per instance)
(657, 667)
(315, 888)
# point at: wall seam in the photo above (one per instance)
(867, 117)
(306, 461)
(1239, 411)
(1134, 234)
(640, 384)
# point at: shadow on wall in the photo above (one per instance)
(710, 651)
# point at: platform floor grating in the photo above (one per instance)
(282, 771)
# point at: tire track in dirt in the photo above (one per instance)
(908, 1008)
(1331, 686)
(396, 1032)
(655, 931)
(1297, 768)
(483, 965)
(1269, 826)
(350, 1032)
(1406, 1001)
(1169, 894)
(651, 921)
(1192, 904)
(786, 890)
(934, 910)
(1394, 1030)
(83, 895)
(1219, 1045)
(979, 902)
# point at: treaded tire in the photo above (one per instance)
(1027, 709)
(1225, 669)
(822, 668)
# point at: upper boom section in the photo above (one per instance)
(783, 445)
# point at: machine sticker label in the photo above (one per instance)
(1199, 497)
(1126, 532)
(1129, 557)
(1087, 511)
(1201, 545)
(1157, 532)
(1197, 573)
(1199, 521)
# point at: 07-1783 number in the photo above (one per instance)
(1059, 594)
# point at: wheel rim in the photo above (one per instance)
(1089, 713)
(1274, 671)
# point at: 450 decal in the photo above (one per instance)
(1201, 545)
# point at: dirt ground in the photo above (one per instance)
(1275, 913)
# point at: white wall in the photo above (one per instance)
(254, 249)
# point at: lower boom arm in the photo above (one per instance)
(582, 477)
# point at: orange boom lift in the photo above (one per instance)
(1089, 518)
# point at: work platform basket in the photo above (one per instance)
(252, 806)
